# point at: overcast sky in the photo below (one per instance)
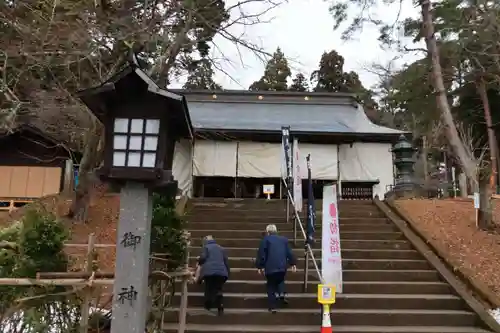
(304, 30)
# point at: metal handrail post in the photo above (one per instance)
(294, 231)
(287, 209)
(306, 270)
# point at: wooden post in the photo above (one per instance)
(85, 308)
(425, 162)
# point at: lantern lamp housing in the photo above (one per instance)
(142, 122)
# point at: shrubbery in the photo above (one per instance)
(36, 244)
(167, 231)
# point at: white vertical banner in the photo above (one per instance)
(331, 260)
(297, 177)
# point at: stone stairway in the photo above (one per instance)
(388, 286)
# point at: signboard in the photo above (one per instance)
(326, 294)
(297, 177)
(331, 261)
(268, 189)
(476, 200)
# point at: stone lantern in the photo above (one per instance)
(404, 161)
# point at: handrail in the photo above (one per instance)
(309, 251)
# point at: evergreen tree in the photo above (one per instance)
(201, 76)
(275, 75)
(330, 74)
(299, 83)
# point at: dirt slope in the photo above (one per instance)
(450, 226)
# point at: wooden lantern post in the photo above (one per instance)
(142, 123)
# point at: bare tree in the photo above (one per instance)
(50, 51)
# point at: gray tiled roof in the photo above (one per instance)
(337, 118)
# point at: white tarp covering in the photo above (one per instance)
(323, 160)
(182, 167)
(215, 158)
(259, 160)
(363, 161)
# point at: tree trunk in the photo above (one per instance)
(484, 220)
(469, 165)
(442, 100)
(492, 140)
(91, 158)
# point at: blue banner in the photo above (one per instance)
(311, 209)
(285, 141)
(75, 175)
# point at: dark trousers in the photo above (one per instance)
(213, 291)
(275, 284)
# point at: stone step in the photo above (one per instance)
(344, 227)
(271, 204)
(194, 328)
(245, 234)
(271, 217)
(350, 287)
(347, 275)
(344, 243)
(340, 317)
(363, 264)
(262, 203)
(344, 220)
(346, 253)
(274, 210)
(343, 301)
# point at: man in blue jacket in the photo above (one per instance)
(214, 272)
(273, 258)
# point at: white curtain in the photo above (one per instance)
(214, 158)
(182, 168)
(259, 160)
(367, 162)
(323, 160)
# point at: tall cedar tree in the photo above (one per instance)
(299, 83)
(275, 75)
(201, 76)
(330, 77)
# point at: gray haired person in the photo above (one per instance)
(273, 259)
(214, 272)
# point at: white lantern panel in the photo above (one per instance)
(121, 125)
(153, 126)
(135, 142)
(120, 142)
(137, 126)
(134, 160)
(149, 160)
(151, 143)
(118, 159)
